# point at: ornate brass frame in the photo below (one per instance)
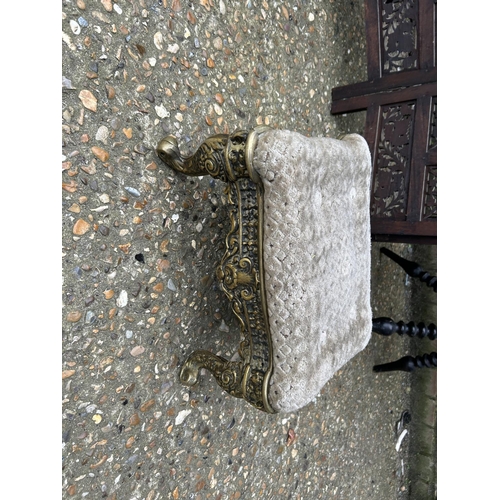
(240, 273)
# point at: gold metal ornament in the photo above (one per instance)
(241, 271)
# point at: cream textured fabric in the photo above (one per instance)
(316, 258)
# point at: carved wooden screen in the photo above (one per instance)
(401, 121)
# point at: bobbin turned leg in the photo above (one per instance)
(409, 363)
(412, 269)
(387, 326)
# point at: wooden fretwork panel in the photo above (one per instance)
(399, 35)
(429, 203)
(400, 99)
(391, 162)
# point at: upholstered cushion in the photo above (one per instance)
(316, 258)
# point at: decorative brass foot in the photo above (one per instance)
(227, 373)
(224, 157)
(229, 158)
(207, 160)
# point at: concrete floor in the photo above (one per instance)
(141, 243)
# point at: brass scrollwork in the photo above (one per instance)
(240, 273)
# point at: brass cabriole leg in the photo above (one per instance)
(229, 158)
(228, 374)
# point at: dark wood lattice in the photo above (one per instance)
(400, 99)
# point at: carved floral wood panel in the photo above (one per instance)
(392, 161)
(401, 124)
(399, 35)
(432, 143)
(429, 205)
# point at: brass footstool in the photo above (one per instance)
(297, 263)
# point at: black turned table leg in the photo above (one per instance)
(409, 363)
(387, 326)
(413, 269)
